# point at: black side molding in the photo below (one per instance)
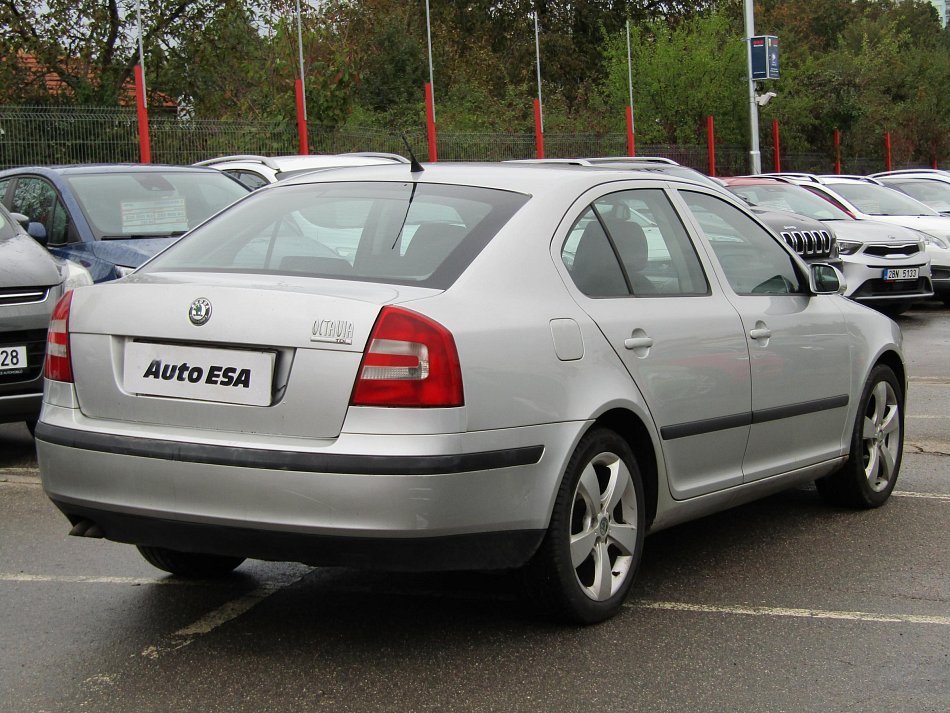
(722, 423)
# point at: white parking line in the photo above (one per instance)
(236, 607)
(222, 615)
(90, 579)
(794, 613)
(922, 496)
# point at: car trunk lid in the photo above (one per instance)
(226, 353)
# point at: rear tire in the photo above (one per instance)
(189, 564)
(877, 445)
(588, 560)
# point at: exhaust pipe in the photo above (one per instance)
(86, 528)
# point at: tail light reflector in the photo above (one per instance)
(57, 365)
(410, 361)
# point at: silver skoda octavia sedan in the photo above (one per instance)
(463, 367)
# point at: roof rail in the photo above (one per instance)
(852, 177)
(239, 157)
(811, 177)
(906, 171)
(377, 154)
(633, 159)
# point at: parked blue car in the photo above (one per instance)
(111, 218)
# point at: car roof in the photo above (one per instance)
(525, 178)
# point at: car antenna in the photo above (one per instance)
(414, 165)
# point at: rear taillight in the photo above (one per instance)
(57, 366)
(410, 360)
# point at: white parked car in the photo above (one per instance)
(886, 266)
(867, 199)
(499, 373)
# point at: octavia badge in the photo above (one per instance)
(200, 311)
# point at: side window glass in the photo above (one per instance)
(4, 184)
(34, 198)
(249, 178)
(751, 258)
(591, 261)
(654, 247)
(57, 231)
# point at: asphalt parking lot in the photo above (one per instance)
(781, 605)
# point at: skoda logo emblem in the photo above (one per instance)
(200, 311)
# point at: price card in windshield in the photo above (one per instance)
(163, 215)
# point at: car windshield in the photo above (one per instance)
(793, 199)
(935, 194)
(878, 200)
(151, 204)
(396, 232)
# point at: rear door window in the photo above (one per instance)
(633, 242)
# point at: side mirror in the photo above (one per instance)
(37, 231)
(21, 219)
(826, 279)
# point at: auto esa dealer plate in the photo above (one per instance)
(900, 273)
(201, 373)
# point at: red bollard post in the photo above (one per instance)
(304, 148)
(778, 146)
(711, 141)
(837, 152)
(145, 143)
(538, 131)
(430, 123)
(631, 144)
(887, 150)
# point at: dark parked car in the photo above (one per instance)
(111, 218)
(31, 282)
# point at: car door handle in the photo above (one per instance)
(760, 333)
(638, 343)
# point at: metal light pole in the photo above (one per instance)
(303, 89)
(138, 13)
(631, 126)
(429, 40)
(537, 54)
(754, 154)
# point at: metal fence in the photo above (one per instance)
(65, 135)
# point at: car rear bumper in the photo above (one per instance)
(457, 509)
(20, 407)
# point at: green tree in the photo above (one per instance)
(92, 45)
(682, 73)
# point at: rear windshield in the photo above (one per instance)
(154, 203)
(403, 233)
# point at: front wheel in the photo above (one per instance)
(589, 557)
(877, 444)
(189, 564)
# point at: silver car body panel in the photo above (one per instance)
(725, 413)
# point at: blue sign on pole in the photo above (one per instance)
(764, 57)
